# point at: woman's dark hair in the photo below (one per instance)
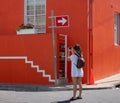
(77, 48)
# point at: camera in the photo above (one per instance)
(70, 48)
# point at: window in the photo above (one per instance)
(117, 28)
(35, 13)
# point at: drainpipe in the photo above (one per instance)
(90, 76)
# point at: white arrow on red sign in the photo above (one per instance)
(62, 21)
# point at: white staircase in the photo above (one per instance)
(32, 65)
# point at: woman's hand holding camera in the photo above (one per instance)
(69, 49)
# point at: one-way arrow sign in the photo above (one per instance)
(61, 21)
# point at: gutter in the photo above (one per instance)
(90, 76)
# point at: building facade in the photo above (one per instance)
(39, 56)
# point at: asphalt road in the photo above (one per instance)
(89, 96)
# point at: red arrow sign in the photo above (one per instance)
(61, 21)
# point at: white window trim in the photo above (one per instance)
(117, 36)
(25, 19)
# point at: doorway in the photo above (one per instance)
(61, 59)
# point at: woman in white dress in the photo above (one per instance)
(76, 73)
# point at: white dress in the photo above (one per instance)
(75, 72)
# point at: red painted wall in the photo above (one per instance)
(11, 16)
(97, 42)
(77, 30)
(106, 55)
(37, 48)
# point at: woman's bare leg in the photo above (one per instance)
(80, 86)
(74, 79)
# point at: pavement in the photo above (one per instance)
(61, 94)
(106, 83)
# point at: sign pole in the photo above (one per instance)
(57, 21)
(54, 46)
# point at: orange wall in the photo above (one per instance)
(98, 48)
(38, 48)
(106, 56)
(11, 16)
(77, 30)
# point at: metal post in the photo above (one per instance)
(66, 56)
(54, 46)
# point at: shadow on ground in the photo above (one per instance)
(64, 101)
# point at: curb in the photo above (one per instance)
(32, 88)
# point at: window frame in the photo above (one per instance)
(117, 28)
(42, 26)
